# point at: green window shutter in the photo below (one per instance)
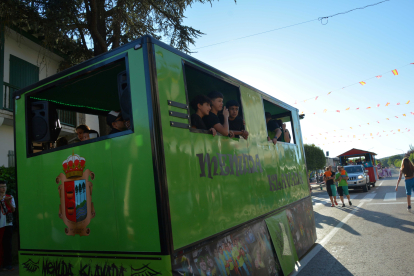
(22, 73)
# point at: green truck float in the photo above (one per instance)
(160, 197)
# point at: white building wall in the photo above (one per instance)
(33, 53)
(92, 121)
(6, 143)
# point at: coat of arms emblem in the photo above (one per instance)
(75, 191)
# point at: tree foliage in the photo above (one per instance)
(315, 158)
(397, 163)
(70, 26)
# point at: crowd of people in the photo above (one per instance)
(212, 115)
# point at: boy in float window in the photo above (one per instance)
(236, 123)
(212, 119)
(343, 185)
(285, 136)
(273, 128)
(202, 106)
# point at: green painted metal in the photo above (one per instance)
(282, 241)
(246, 179)
(62, 263)
(123, 186)
(202, 206)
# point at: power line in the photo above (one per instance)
(277, 29)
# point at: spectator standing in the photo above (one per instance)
(407, 168)
(343, 185)
(7, 207)
(330, 185)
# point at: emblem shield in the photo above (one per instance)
(76, 207)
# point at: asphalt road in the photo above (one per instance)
(374, 236)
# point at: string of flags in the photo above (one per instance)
(371, 124)
(368, 137)
(394, 72)
(358, 108)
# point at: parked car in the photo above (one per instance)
(358, 177)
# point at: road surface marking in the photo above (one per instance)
(388, 203)
(300, 265)
(369, 197)
(390, 196)
(353, 196)
(381, 183)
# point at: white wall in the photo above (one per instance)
(92, 122)
(33, 53)
(29, 51)
(6, 143)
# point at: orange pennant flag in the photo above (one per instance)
(324, 111)
(350, 127)
(368, 123)
(370, 134)
(387, 104)
(388, 119)
(407, 102)
(398, 130)
(329, 92)
(347, 108)
(404, 115)
(395, 72)
(362, 82)
(368, 107)
(354, 136)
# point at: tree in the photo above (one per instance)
(70, 25)
(315, 158)
(397, 163)
(411, 157)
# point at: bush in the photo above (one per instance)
(9, 174)
(397, 163)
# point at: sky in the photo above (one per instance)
(311, 59)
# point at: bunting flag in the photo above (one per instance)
(316, 98)
(398, 103)
(407, 102)
(338, 111)
(378, 105)
(324, 111)
(387, 104)
(404, 115)
(347, 108)
(395, 72)
(368, 107)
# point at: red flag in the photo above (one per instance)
(357, 108)
(316, 98)
(378, 105)
(398, 103)
(378, 77)
(338, 111)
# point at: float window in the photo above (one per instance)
(278, 123)
(86, 107)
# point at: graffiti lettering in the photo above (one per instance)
(105, 270)
(237, 164)
(283, 181)
(56, 268)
